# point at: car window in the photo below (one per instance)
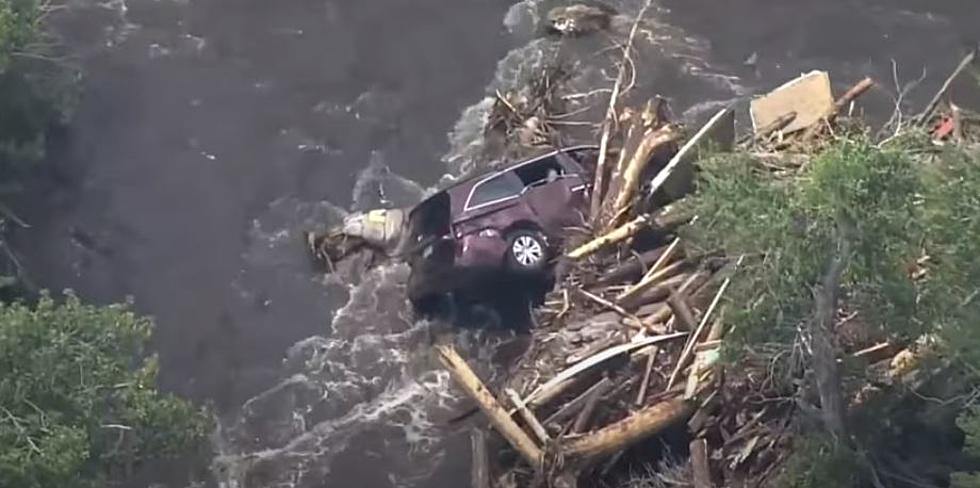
(539, 171)
(505, 185)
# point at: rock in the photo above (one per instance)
(578, 19)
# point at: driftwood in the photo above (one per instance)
(614, 236)
(685, 317)
(638, 426)
(497, 415)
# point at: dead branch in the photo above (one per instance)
(926, 114)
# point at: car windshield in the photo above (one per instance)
(503, 186)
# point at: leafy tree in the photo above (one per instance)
(37, 86)
(902, 221)
(77, 400)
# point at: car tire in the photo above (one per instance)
(526, 251)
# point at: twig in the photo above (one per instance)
(651, 359)
(926, 114)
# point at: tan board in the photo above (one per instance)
(809, 96)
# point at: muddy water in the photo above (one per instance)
(213, 132)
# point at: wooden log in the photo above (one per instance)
(685, 317)
(621, 435)
(480, 469)
(498, 416)
(634, 169)
(850, 95)
(699, 464)
(528, 417)
(614, 236)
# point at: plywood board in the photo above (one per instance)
(809, 96)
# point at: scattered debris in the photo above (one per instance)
(627, 343)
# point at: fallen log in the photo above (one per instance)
(497, 415)
(623, 434)
(612, 237)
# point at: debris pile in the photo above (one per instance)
(628, 343)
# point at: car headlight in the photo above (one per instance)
(489, 233)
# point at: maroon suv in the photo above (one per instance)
(510, 220)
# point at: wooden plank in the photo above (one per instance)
(810, 96)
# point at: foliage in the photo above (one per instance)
(817, 462)
(789, 231)
(969, 422)
(77, 398)
(37, 88)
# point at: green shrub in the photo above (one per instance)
(77, 398)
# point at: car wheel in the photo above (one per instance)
(526, 251)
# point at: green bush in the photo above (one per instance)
(77, 400)
(789, 228)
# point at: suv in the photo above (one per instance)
(509, 221)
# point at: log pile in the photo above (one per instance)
(628, 343)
